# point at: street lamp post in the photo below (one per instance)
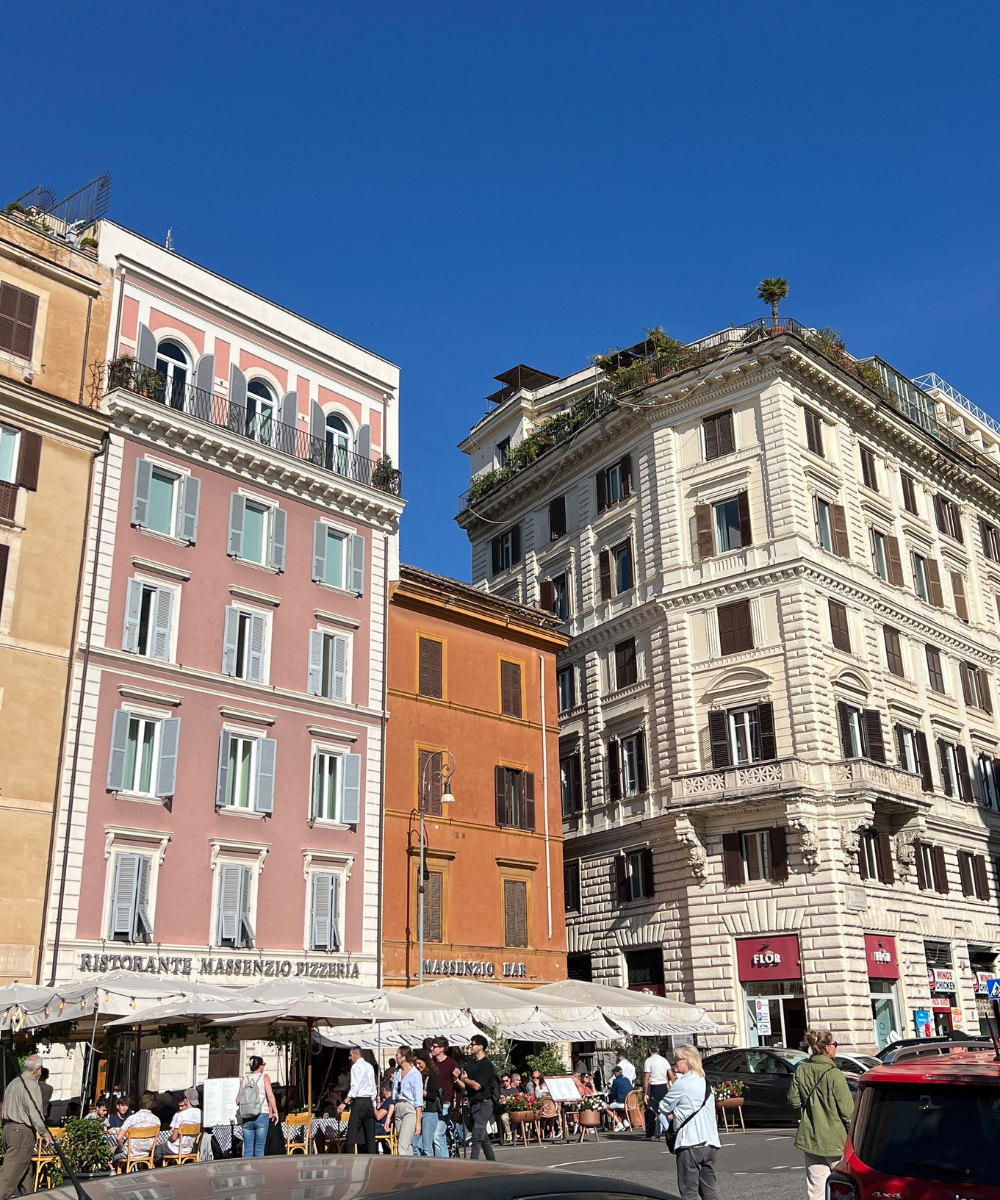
(445, 773)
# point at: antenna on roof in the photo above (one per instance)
(169, 243)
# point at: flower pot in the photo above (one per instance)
(589, 1116)
(730, 1102)
(522, 1114)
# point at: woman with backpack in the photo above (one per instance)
(819, 1091)
(255, 1102)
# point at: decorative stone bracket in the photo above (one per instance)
(697, 858)
(805, 826)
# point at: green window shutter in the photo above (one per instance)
(237, 509)
(351, 796)
(266, 754)
(166, 770)
(319, 552)
(279, 527)
(119, 750)
(162, 611)
(133, 609)
(230, 896)
(316, 642)
(230, 641)
(341, 646)
(258, 638)
(357, 563)
(123, 892)
(143, 930)
(322, 911)
(190, 495)
(222, 784)
(140, 497)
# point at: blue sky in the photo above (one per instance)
(462, 187)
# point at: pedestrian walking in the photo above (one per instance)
(819, 1091)
(362, 1096)
(255, 1103)
(408, 1102)
(22, 1119)
(446, 1069)
(691, 1106)
(483, 1088)
(655, 1080)
(432, 1105)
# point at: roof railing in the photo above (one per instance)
(933, 382)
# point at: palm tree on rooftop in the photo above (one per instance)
(773, 291)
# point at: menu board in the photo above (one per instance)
(219, 1107)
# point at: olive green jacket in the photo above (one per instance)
(819, 1091)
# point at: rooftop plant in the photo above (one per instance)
(772, 291)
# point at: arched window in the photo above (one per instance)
(338, 443)
(173, 365)
(262, 412)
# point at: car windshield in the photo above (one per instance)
(867, 1061)
(794, 1057)
(929, 1131)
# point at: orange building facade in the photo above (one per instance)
(467, 673)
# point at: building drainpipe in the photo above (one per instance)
(57, 932)
(545, 794)
(381, 766)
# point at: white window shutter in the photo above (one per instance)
(317, 784)
(133, 610)
(119, 750)
(319, 552)
(341, 646)
(140, 497)
(230, 906)
(190, 494)
(237, 508)
(279, 525)
(246, 937)
(230, 641)
(143, 931)
(335, 912)
(123, 894)
(357, 563)
(316, 642)
(266, 754)
(258, 638)
(222, 786)
(162, 610)
(166, 770)
(321, 911)
(350, 805)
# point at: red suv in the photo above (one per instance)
(924, 1130)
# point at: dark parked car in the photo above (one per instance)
(343, 1176)
(766, 1073)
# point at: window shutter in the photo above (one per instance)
(317, 425)
(895, 563)
(432, 906)
(190, 495)
(743, 505)
(625, 466)
(246, 937)
(230, 902)
(319, 552)
(918, 860)
(163, 606)
(642, 781)
(430, 668)
(264, 795)
(204, 374)
(626, 667)
(963, 670)
(357, 563)
(621, 878)
(4, 557)
(429, 782)
(557, 518)
(893, 651)
(528, 782)
(727, 434)
(29, 457)
(735, 631)
(958, 591)
(166, 769)
(221, 787)
(838, 527)
(237, 509)
(317, 641)
(981, 876)
(237, 387)
(711, 427)
(947, 783)
(718, 734)
(648, 885)
(862, 856)
(732, 860)
(924, 762)
(495, 547)
(940, 871)
(983, 687)
(778, 845)
(965, 873)
(123, 895)
(814, 432)
(500, 794)
(230, 640)
(571, 886)
(703, 530)
(844, 720)
(607, 590)
(840, 630)
(317, 784)
(964, 779)
(510, 689)
(119, 749)
(934, 593)
(341, 646)
(765, 728)
(143, 929)
(133, 610)
(258, 638)
(279, 529)
(602, 491)
(547, 595)
(145, 348)
(614, 769)
(577, 783)
(18, 310)
(885, 858)
(363, 443)
(351, 805)
(335, 914)
(873, 732)
(140, 497)
(515, 544)
(322, 910)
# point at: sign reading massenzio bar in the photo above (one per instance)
(205, 965)
(880, 953)
(768, 958)
(478, 969)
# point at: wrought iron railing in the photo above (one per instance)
(260, 426)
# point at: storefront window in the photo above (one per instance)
(783, 1021)
(943, 987)
(883, 973)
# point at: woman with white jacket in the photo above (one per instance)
(690, 1105)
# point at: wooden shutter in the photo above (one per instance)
(222, 782)
(317, 644)
(814, 432)
(495, 550)
(510, 688)
(319, 552)
(230, 641)
(703, 530)
(840, 630)
(528, 798)
(190, 495)
(964, 778)
(607, 588)
(350, 810)
(727, 434)
(940, 870)
(885, 858)
(648, 884)
(947, 782)
(924, 761)
(230, 902)
(602, 491)
(255, 656)
(509, 913)
(119, 749)
(576, 776)
(163, 605)
(862, 854)
(958, 591)
(981, 876)
(338, 679)
(429, 782)
(642, 779)
(933, 574)
(893, 651)
(4, 557)
(516, 912)
(279, 527)
(18, 310)
(964, 673)
(732, 860)
(237, 510)
(621, 879)
(868, 469)
(743, 507)
(143, 928)
(838, 528)
(844, 719)
(718, 733)
(267, 749)
(166, 768)
(322, 910)
(625, 467)
(237, 387)
(983, 688)
(778, 846)
(735, 631)
(432, 906)
(500, 794)
(515, 544)
(204, 374)
(29, 457)
(711, 427)
(894, 562)
(123, 891)
(557, 518)
(765, 730)
(133, 611)
(873, 734)
(918, 861)
(357, 563)
(571, 886)
(547, 595)
(965, 873)
(431, 672)
(246, 935)
(140, 496)
(626, 666)
(614, 769)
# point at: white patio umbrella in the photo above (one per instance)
(427, 1018)
(639, 1013)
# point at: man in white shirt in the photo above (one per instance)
(188, 1113)
(655, 1080)
(627, 1069)
(362, 1095)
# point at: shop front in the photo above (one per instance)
(883, 981)
(770, 972)
(945, 1015)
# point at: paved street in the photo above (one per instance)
(761, 1163)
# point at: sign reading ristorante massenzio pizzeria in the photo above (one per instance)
(244, 966)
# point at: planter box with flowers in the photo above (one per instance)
(522, 1107)
(729, 1093)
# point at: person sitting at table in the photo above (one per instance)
(536, 1085)
(165, 1109)
(383, 1116)
(119, 1111)
(142, 1118)
(99, 1112)
(507, 1088)
(620, 1088)
(327, 1105)
(188, 1113)
(587, 1081)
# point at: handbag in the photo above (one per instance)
(673, 1131)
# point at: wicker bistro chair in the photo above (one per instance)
(389, 1139)
(133, 1160)
(635, 1110)
(182, 1155)
(300, 1123)
(43, 1159)
(549, 1118)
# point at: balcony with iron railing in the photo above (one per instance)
(261, 426)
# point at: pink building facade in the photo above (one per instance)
(221, 804)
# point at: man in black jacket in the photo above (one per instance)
(483, 1088)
